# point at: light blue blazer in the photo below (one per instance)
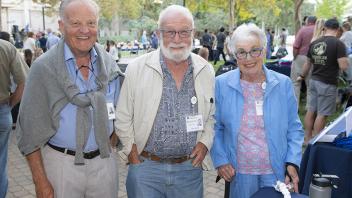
(282, 125)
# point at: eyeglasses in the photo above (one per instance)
(172, 33)
(254, 53)
(97, 80)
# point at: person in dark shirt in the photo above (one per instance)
(207, 42)
(327, 54)
(28, 57)
(155, 41)
(42, 42)
(5, 36)
(221, 37)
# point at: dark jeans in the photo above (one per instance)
(220, 50)
(211, 54)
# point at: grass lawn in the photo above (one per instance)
(218, 64)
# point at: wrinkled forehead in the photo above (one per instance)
(83, 10)
(176, 20)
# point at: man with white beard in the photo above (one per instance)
(165, 114)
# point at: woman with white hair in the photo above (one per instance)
(258, 134)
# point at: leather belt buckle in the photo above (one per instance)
(4, 103)
(167, 161)
(164, 160)
(65, 151)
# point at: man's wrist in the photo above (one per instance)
(133, 158)
(301, 75)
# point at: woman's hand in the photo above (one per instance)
(292, 175)
(227, 172)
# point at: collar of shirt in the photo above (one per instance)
(70, 61)
(69, 55)
(188, 76)
(164, 66)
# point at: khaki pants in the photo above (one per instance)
(97, 178)
(296, 70)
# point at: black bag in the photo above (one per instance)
(281, 52)
(275, 66)
(228, 66)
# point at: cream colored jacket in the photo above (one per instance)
(140, 97)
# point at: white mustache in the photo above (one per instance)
(180, 55)
(174, 45)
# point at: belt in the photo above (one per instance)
(89, 155)
(6, 102)
(164, 160)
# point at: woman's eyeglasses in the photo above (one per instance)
(254, 53)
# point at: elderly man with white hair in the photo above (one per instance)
(67, 111)
(258, 134)
(165, 114)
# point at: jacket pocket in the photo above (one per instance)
(209, 105)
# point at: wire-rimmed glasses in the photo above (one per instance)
(172, 33)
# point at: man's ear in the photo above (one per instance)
(61, 25)
(158, 34)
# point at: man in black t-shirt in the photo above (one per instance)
(327, 55)
(221, 37)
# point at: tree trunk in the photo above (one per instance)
(297, 19)
(231, 14)
(0, 15)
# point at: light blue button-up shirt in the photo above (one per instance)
(66, 133)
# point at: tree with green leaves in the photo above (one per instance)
(232, 4)
(140, 15)
(331, 8)
(50, 5)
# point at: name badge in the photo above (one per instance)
(259, 107)
(194, 123)
(111, 110)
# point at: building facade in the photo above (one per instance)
(28, 15)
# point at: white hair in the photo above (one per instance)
(245, 32)
(65, 3)
(175, 9)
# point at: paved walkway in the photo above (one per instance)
(21, 185)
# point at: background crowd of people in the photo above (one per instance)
(170, 109)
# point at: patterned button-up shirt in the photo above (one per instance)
(169, 137)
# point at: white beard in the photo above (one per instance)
(179, 56)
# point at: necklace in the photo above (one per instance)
(262, 81)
